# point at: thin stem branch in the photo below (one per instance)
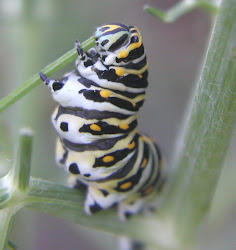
(49, 70)
(208, 6)
(67, 203)
(180, 9)
(206, 134)
(6, 219)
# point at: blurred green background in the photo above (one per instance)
(33, 34)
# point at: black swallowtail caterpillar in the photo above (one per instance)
(96, 121)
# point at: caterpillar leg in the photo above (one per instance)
(130, 206)
(127, 208)
(91, 205)
(99, 199)
(126, 243)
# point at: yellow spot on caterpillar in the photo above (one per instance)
(123, 54)
(140, 76)
(144, 163)
(147, 191)
(143, 138)
(124, 126)
(134, 104)
(119, 71)
(108, 158)
(95, 127)
(133, 46)
(125, 185)
(131, 145)
(105, 93)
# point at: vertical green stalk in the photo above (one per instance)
(206, 135)
(21, 169)
(13, 186)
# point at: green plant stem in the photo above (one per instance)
(63, 202)
(21, 169)
(49, 70)
(207, 131)
(14, 185)
(6, 219)
(180, 9)
(208, 6)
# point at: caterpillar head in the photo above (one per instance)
(112, 36)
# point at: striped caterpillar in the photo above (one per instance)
(98, 143)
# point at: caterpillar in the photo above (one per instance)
(96, 121)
